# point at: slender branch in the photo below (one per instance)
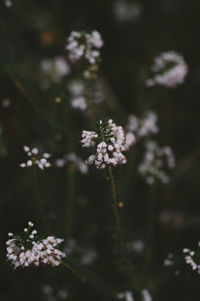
(75, 272)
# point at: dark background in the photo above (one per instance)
(31, 30)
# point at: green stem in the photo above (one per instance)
(38, 198)
(119, 229)
(70, 200)
(151, 221)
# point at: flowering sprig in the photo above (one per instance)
(84, 45)
(110, 143)
(192, 258)
(156, 159)
(169, 70)
(29, 249)
(35, 159)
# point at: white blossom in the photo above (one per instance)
(35, 159)
(156, 159)
(79, 103)
(8, 3)
(146, 295)
(143, 127)
(76, 161)
(169, 70)
(27, 249)
(109, 143)
(125, 11)
(53, 70)
(128, 296)
(84, 45)
(191, 258)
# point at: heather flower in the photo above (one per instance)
(84, 45)
(155, 161)
(169, 70)
(192, 259)
(29, 249)
(35, 159)
(109, 141)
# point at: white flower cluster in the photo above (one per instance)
(77, 162)
(110, 143)
(35, 159)
(77, 91)
(169, 261)
(136, 246)
(125, 11)
(87, 255)
(155, 160)
(84, 45)
(8, 3)
(146, 295)
(128, 296)
(27, 249)
(54, 69)
(50, 295)
(190, 259)
(169, 70)
(143, 127)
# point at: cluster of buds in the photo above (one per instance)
(35, 159)
(110, 143)
(169, 70)
(143, 127)
(28, 249)
(155, 160)
(192, 259)
(73, 159)
(84, 45)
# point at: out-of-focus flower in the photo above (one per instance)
(169, 261)
(53, 70)
(35, 159)
(28, 249)
(125, 11)
(8, 3)
(143, 127)
(137, 246)
(128, 296)
(169, 70)
(5, 103)
(110, 143)
(77, 162)
(146, 295)
(84, 45)
(155, 161)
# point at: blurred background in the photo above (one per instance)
(35, 112)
